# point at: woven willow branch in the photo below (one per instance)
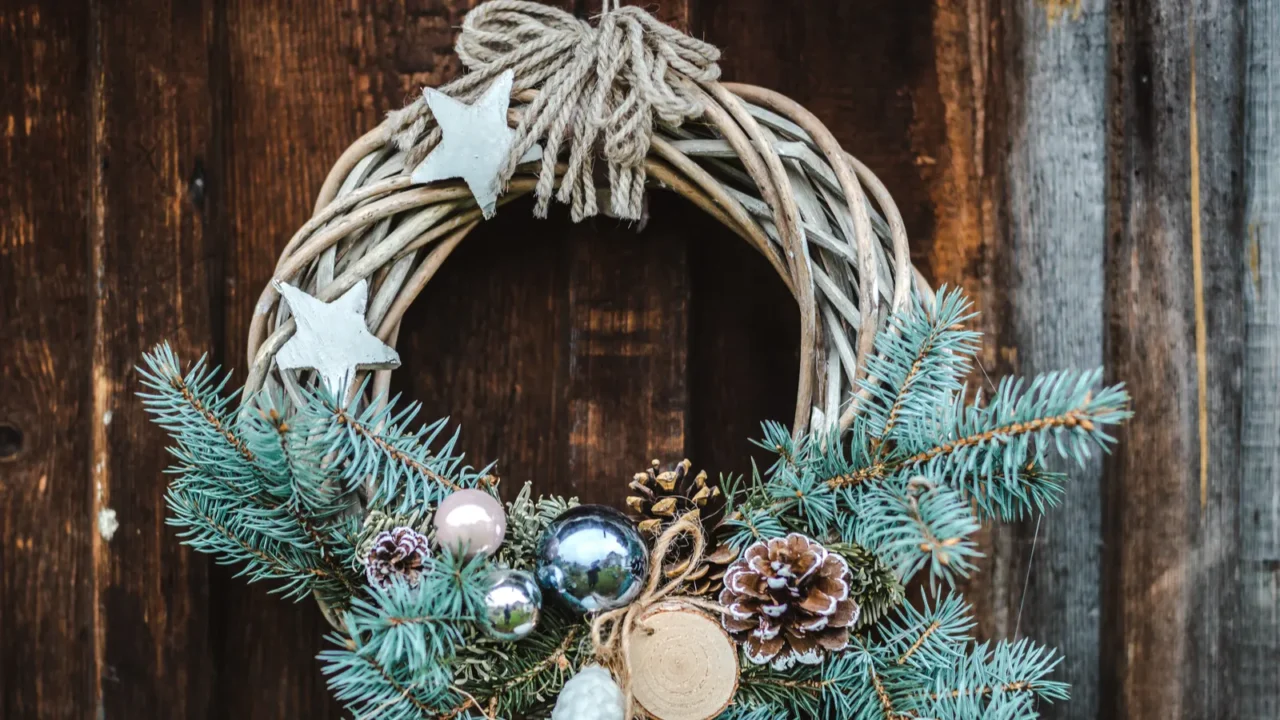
(757, 162)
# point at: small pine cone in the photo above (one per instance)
(660, 497)
(788, 601)
(717, 564)
(398, 552)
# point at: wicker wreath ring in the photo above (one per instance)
(756, 161)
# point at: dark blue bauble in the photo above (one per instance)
(592, 558)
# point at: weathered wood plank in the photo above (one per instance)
(1258, 627)
(1052, 156)
(742, 350)
(627, 355)
(485, 346)
(1176, 337)
(960, 133)
(627, 338)
(863, 69)
(150, 97)
(297, 84)
(47, 588)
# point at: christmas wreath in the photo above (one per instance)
(779, 595)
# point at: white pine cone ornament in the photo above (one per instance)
(590, 695)
(400, 551)
(788, 602)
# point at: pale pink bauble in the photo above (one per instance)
(470, 521)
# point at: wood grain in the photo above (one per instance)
(297, 82)
(628, 320)
(47, 594)
(1101, 177)
(1052, 239)
(485, 345)
(150, 96)
(1173, 273)
(1258, 627)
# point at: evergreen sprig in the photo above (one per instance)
(278, 485)
(524, 678)
(238, 495)
(919, 665)
(922, 466)
(404, 469)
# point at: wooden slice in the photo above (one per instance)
(683, 664)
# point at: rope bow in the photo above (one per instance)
(611, 631)
(605, 84)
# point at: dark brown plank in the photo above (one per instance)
(1176, 334)
(484, 345)
(628, 348)
(47, 580)
(297, 83)
(1052, 155)
(863, 69)
(743, 350)
(627, 339)
(151, 100)
(1258, 628)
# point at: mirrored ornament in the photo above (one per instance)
(592, 558)
(471, 522)
(512, 603)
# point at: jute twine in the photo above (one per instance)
(611, 631)
(601, 85)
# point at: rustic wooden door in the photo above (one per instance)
(1103, 178)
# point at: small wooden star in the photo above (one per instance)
(475, 142)
(332, 338)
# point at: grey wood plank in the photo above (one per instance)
(1175, 247)
(1258, 626)
(1054, 234)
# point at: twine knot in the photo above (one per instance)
(603, 84)
(611, 630)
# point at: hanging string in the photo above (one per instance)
(601, 89)
(611, 631)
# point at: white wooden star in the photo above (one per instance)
(475, 142)
(332, 338)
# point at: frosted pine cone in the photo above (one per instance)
(590, 695)
(788, 602)
(398, 552)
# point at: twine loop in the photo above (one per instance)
(604, 84)
(611, 630)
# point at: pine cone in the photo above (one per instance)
(788, 601)
(590, 695)
(708, 579)
(401, 552)
(660, 498)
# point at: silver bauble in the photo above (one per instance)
(512, 603)
(592, 558)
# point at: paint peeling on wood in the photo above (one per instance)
(107, 524)
(1056, 10)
